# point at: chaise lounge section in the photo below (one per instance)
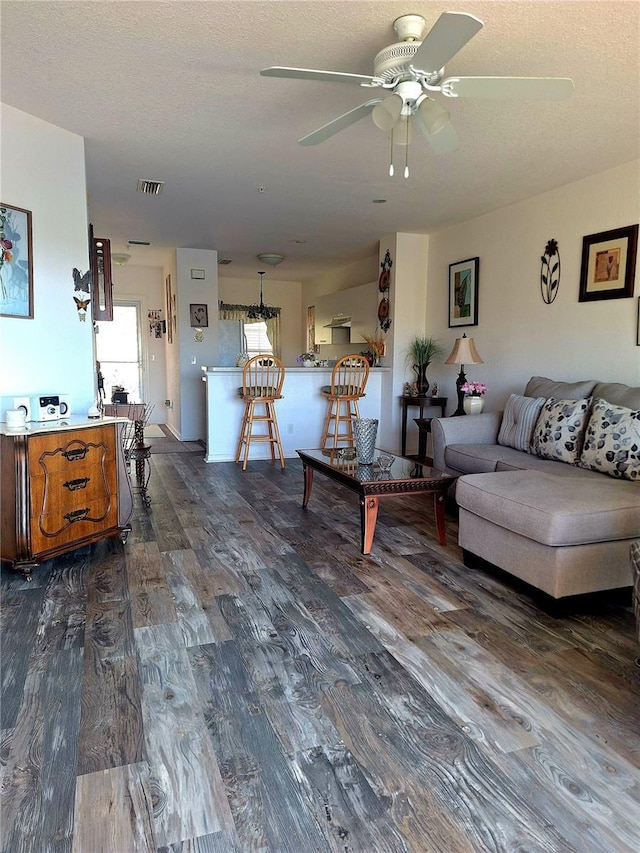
(553, 499)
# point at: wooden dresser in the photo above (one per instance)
(64, 484)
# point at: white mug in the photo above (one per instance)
(16, 418)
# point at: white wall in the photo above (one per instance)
(189, 355)
(280, 294)
(518, 335)
(408, 300)
(43, 171)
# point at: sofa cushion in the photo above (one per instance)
(540, 386)
(485, 458)
(529, 462)
(612, 441)
(481, 458)
(559, 432)
(519, 418)
(618, 394)
(550, 509)
(634, 554)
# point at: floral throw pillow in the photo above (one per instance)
(612, 441)
(559, 431)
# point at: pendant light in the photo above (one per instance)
(262, 311)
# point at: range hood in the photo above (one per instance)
(339, 323)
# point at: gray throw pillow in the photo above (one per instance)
(559, 432)
(612, 441)
(519, 419)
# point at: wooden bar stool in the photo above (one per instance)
(262, 380)
(348, 381)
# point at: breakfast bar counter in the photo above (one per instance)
(300, 413)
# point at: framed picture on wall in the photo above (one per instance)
(16, 262)
(463, 293)
(199, 316)
(169, 295)
(608, 264)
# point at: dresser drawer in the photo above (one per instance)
(68, 451)
(58, 528)
(90, 485)
(66, 488)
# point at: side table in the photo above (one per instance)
(423, 402)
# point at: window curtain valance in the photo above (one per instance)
(228, 311)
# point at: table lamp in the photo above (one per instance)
(464, 352)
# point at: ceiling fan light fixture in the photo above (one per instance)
(386, 114)
(433, 115)
(271, 258)
(403, 131)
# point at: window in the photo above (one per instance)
(257, 339)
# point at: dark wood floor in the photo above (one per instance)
(238, 677)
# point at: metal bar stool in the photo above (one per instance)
(262, 380)
(348, 381)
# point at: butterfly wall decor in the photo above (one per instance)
(82, 286)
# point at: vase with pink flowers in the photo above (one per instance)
(474, 392)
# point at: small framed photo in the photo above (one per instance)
(608, 264)
(199, 316)
(463, 293)
(16, 262)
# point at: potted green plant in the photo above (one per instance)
(421, 351)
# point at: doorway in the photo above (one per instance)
(119, 351)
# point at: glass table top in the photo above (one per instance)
(399, 469)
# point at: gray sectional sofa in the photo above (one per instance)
(549, 490)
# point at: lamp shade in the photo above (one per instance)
(464, 352)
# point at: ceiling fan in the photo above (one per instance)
(411, 70)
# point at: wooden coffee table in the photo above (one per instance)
(405, 477)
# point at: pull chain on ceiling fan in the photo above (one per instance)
(413, 70)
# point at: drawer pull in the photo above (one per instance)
(77, 514)
(75, 454)
(75, 485)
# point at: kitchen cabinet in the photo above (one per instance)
(358, 303)
(63, 485)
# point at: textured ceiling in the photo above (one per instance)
(172, 91)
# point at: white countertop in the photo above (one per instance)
(309, 370)
(72, 422)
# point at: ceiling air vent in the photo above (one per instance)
(150, 187)
(223, 261)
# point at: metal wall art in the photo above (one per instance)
(383, 286)
(550, 272)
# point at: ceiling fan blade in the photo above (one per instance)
(339, 123)
(443, 140)
(448, 35)
(311, 74)
(533, 88)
